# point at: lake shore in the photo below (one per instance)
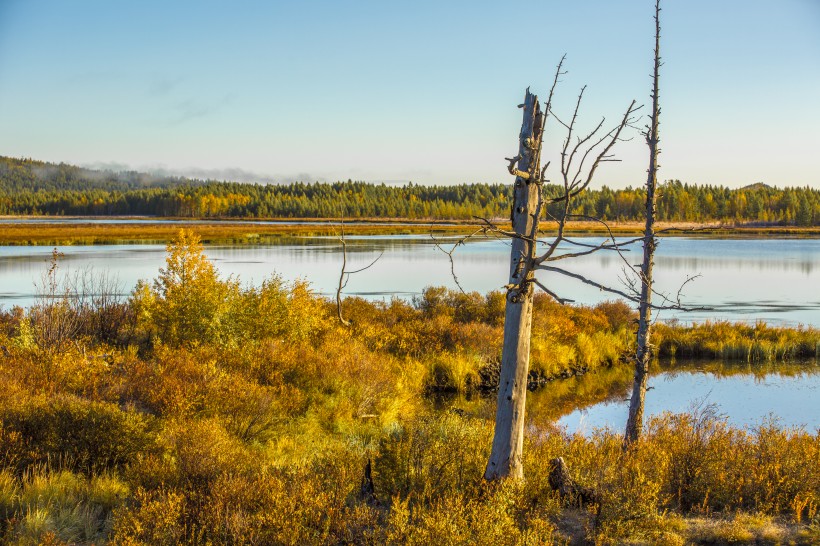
(56, 230)
(254, 401)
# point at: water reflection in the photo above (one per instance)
(745, 393)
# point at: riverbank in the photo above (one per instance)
(39, 230)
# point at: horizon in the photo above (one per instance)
(392, 183)
(400, 93)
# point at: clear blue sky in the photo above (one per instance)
(404, 90)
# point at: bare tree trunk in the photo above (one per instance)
(508, 442)
(643, 356)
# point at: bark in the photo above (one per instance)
(508, 440)
(643, 356)
(568, 489)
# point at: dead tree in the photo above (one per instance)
(643, 354)
(580, 159)
(508, 441)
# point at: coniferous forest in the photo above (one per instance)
(29, 187)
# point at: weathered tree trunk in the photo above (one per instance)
(342, 280)
(643, 356)
(508, 442)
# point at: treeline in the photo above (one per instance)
(30, 187)
(30, 175)
(679, 202)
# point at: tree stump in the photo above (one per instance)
(568, 489)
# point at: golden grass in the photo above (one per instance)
(235, 232)
(210, 232)
(737, 341)
(258, 431)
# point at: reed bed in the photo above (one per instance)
(757, 342)
(234, 231)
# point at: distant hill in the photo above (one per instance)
(33, 175)
(758, 186)
(40, 188)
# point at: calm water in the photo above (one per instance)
(776, 280)
(747, 395)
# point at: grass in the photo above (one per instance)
(226, 415)
(209, 231)
(46, 504)
(234, 231)
(737, 341)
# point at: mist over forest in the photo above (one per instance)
(29, 187)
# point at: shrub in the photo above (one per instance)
(432, 458)
(187, 303)
(81, 434)
(153, 517)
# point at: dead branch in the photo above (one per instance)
(611, 138)
(679, 295)
(344, 276)
(611, 290)
(586, 281)
(618, 247)
(450, 252)
(490, 227)
(342, 281)
(555, 296)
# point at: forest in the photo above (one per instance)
(29, 187)
(203, 411)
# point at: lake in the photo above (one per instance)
(774, 280)
(746, 394)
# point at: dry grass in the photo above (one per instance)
(737, 341)
(236, 232)
(246, 416)
(209, 231)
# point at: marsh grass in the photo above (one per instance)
(737, 341)
(235, 232)
(247, 416)
(59, 505)
(209, 231)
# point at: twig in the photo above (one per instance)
(344, 275)
(449, 253)
(605, 288)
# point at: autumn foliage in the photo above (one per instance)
(214, 413)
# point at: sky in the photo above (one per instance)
(397, 91)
